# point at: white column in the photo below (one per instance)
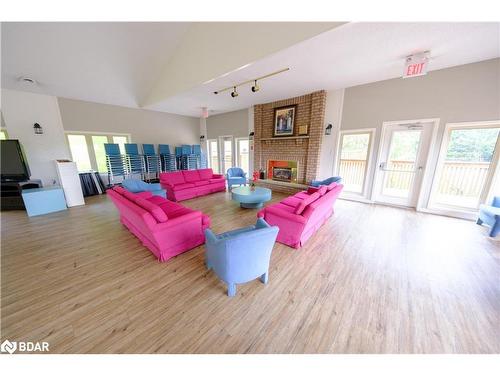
(203, 131)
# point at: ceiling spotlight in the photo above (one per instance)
(255, 87)
(234, 94)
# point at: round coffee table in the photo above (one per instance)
(251, 197)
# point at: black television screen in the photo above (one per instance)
(13, 164)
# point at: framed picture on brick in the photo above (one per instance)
(284, 121)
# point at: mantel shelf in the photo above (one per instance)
(280, 138)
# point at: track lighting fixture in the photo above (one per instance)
(255, 87)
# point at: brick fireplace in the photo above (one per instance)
(299, 151)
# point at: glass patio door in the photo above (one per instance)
(468, 159)
(403, 152)
(213, 155)
(243, 154)
(226, 146)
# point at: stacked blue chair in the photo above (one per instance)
(135, 161)
(490, 215)
(201, 160)
(153, 164)
(168, 162)
(115, 162)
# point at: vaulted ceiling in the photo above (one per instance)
(175, 67)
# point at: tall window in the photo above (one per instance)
(213, 155)
(79, 151)
(87, 149)
(465, 170)
(353, 161)
(243, 152)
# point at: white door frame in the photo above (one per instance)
(369, 162)
(427, 173)
(493, 173)
(237, 152)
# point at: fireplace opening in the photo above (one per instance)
(282, 170)
(282, 174)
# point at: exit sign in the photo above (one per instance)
(416, 65)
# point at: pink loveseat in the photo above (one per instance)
(164, 227)
(184, 185)
(302, 214)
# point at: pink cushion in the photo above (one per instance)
(312, 189)
(291, 201)
(201, 183)
(284, 207)
(156, 199)
(191, 176)
(130, 196)
(331, 186)
(180, 212)
(172, 178)
(302, 195)
(205, 174)
(119, 190)
(183, 186)
(170, 206)
(153, 209)
(322, 190)
(305, 202)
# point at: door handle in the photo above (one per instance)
(382, 165)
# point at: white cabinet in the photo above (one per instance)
(70, 182)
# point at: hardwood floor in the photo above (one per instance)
(374, 279)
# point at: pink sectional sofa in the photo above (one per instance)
(184, 185)
(302, 214)
(164, 227)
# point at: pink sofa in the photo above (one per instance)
(164, 227)
(184, 185)
(302, 214)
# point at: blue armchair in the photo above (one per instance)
(328, 181)
(137, 186)
(241, 255)
(490, 215)
(235, 176)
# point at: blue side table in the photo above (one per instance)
(251, 197)
(44, 200)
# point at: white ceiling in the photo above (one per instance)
(119, 63)
(349, 55)
(103, 62)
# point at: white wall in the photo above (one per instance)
(20, 111)
(144, 126)
(333, 115)
(230, 123)
(464, 93)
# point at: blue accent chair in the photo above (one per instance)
(328, 181)
(136, 186)
(490, 215)
(241, 255)
(235, 176)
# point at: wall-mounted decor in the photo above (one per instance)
(303, 129)
(284, 120)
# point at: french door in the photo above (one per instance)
(243, 154)
(402, 159)
(466, 167)
(213, 155)
(226, 151)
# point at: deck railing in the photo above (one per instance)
(457, 178)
